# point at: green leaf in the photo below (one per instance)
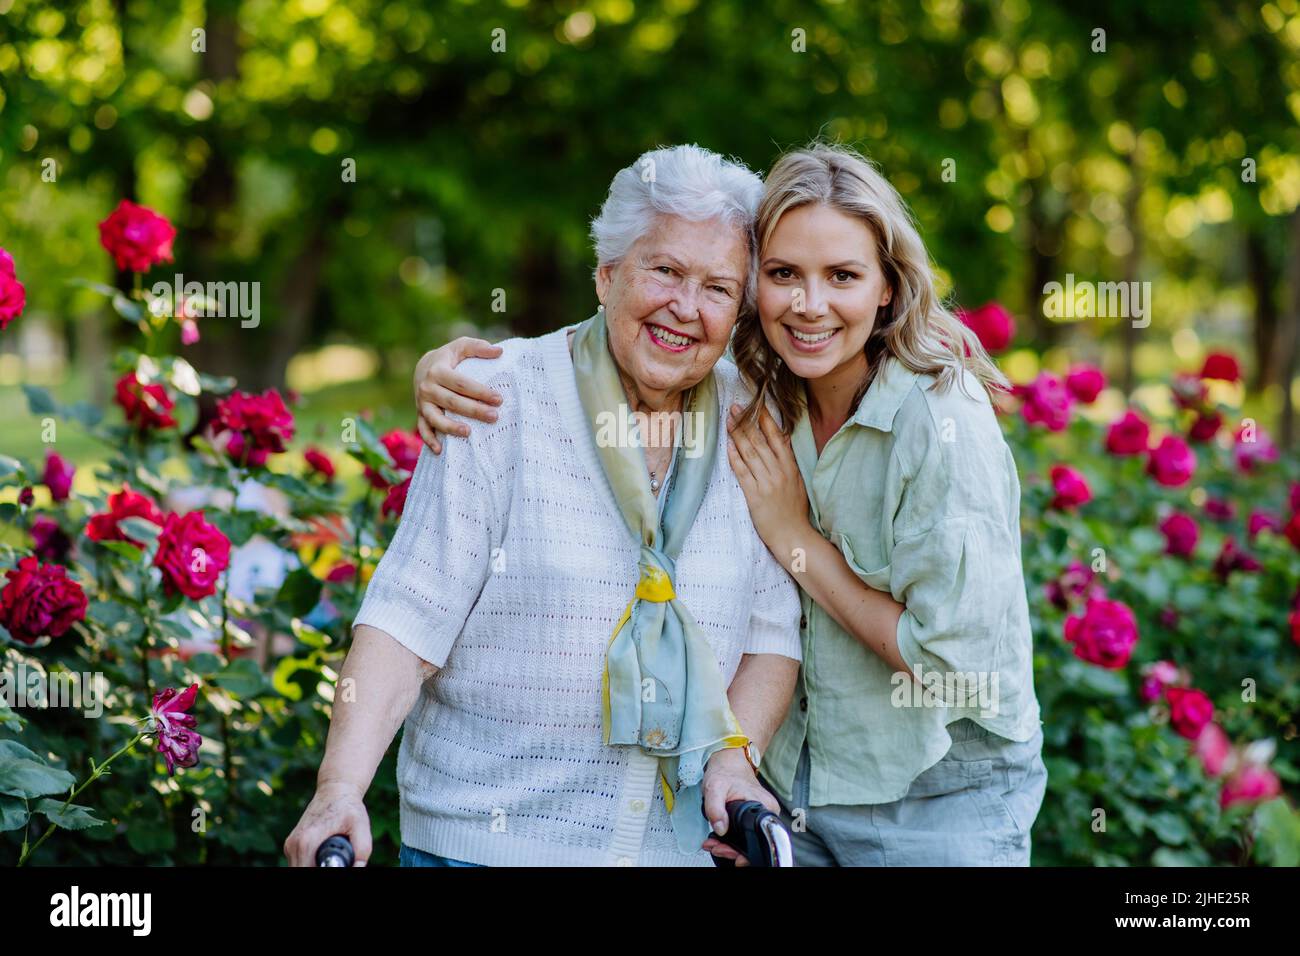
(1277, 834)
(39, 401)
(243, 678)
(299, 592)
(13, 813)
(1170, 827)
(140, 529)
(9, 466)
(71, 817)
(124, 549)
(23, 777)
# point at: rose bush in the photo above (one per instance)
(1162, 555)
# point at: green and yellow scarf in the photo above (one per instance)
(662, 689)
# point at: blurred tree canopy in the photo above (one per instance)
(1111, 140)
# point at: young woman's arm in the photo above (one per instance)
(440, 389)
(778, 503)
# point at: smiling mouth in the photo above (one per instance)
(668, 339)
(810, 341)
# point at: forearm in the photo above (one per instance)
(378, 685)
(760, 694)
(871, 616)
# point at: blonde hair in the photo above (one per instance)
(916, 327)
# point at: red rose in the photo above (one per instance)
(49, 543)
(395, 500)
(146, 406)
(1047, 402)
(1292, 530)
(1294, 497)
(1085, 382)
(137, 237)
(1221, 365)
(992, 325)
(257, 425)
(1294, 621)
(6, 263)
(1220, 509)
(1181, 534)
(1128, 435)
(1231, 558)
(403, 449)
(1172, 462)
(1262, 521)
(1071, 487)
(1189, 711)
(13, 296)
(1250, 785)
(39, 600)
(58, 476)
(191, 554)
(1104, 634)
(122, 504)
(343, 571)
(319, 462)
(1205, 427)
(26, 496)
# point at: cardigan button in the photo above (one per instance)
(624, 861)
(637, 806)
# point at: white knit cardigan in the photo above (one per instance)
(509, 570)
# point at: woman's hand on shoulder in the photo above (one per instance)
(440, 389)
(763, 460)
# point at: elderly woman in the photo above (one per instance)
(586, 638)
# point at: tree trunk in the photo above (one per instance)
(1263, 281)
(1290, 338)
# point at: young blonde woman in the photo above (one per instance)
(888, 492)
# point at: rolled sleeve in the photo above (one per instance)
(430, 577)
(958, 582)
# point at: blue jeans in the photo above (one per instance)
(974, 807)
(410, 856)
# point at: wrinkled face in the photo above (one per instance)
(819, 286)
(671, 303)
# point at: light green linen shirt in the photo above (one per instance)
(919, 492)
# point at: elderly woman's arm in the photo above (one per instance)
(377, 688)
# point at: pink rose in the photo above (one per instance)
(1250, 785)
(13, 295)
(1128, 435)
(1046, 402)
(1157, 677)
(1262, 521)
(137, 237)
(1253, 448)
(1071, 488)
(1189, 711)
(1189, 392)
(1181, 534)
(395, 500)
(992, 325)
(1172, 462)
(1077, 583)
(49, 543)
(178, 741)
(58, 476)
(1104, 634)
(1085, 382)
(1212, 748)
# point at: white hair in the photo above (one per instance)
(688, 181)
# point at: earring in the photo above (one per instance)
(601, 307)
